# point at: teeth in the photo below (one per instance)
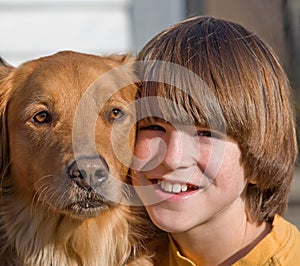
(184, 187)
(175, 188)
(168, 187)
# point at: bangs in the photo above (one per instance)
(178, 96)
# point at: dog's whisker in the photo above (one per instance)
(126, 193)
(59, 200)
(131, 177)
(44, 190)
(41, 183)
(40, 192)
(46, 194)
(4, 179)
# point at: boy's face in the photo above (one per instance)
(187, 176)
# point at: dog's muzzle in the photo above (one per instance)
(89, 173)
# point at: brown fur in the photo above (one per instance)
(46, 217)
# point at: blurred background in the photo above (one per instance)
(33, 28)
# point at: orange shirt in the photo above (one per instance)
(280, 247)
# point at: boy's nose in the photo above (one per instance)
(180, 149)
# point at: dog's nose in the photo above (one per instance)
(89, 173)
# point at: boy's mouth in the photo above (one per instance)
(171, 187)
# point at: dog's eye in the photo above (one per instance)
(116, 114)
(42, 117)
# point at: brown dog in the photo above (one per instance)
(60, 196)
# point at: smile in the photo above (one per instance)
(174, 187)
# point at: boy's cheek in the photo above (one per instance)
(147, 149)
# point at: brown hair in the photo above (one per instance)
(244, 90)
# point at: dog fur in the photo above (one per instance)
(50, 214)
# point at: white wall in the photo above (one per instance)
(34, 28)
(150, 17)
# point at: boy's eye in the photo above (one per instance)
(204, 133)
(153, 127)
(208, 134)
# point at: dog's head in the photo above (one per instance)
(66, 131)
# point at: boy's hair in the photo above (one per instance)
(245, 92)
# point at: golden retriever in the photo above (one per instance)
(61, 198)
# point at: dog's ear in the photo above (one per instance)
(115, 60)
(2, 62)
(5, 92)
(121, 58)
(5, 68)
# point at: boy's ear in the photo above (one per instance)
(253, 181)
(5, 92)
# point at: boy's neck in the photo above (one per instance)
(221, 241)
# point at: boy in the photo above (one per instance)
(216, 146)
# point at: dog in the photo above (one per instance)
(61, 198)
